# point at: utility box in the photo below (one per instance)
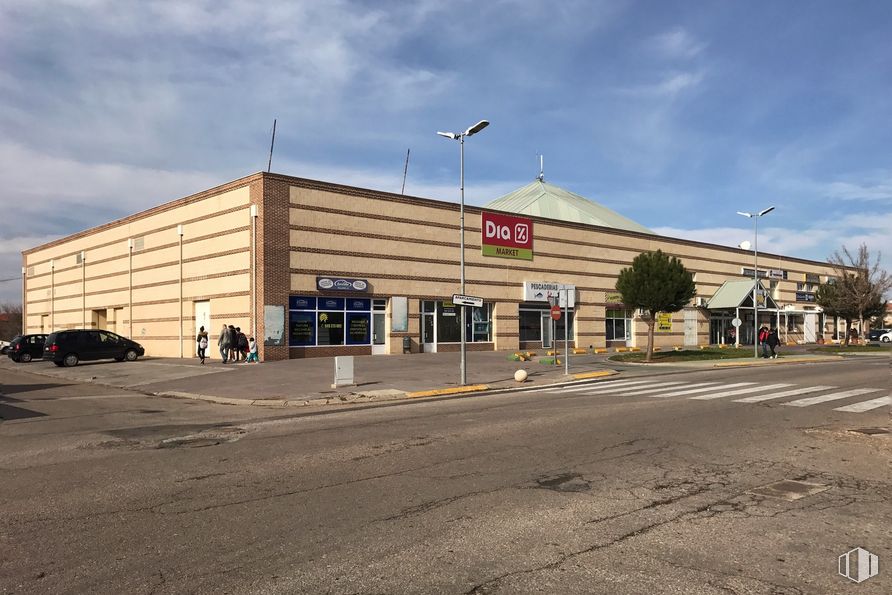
(343, 371)
(407, 344)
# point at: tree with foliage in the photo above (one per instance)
(859, 287)
(655, 283)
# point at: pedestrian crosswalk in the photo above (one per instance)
(749, 392)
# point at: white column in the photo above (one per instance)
(180, 234)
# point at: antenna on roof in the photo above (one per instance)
(405, 171)
(541, 176)
(272, 143)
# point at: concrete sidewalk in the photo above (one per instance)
(307, 382)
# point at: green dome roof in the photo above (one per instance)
(552, 202)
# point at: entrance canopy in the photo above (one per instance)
(739, 294)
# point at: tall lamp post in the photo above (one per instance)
(755, 218)
(460, 137)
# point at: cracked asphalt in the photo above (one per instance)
(109, 491)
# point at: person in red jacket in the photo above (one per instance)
(763, 340)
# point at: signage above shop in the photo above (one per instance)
(535, 291)
(341, 284)
(506, 236)
(467, 300)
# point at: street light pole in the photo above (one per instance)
(755, 218)
(460, 137)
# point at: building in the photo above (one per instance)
(318, 269)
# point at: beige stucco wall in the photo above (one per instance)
(411, 248)
(402, 246)
(216, 263)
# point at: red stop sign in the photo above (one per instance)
(556, 312)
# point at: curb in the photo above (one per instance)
(777, 362)
(438, 392)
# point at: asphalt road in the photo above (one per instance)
(608, 489)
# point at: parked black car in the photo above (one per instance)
(24, 348)
(67, 348)
(874, 333)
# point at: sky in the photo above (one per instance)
(674, 114)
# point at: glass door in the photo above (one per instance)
(546, 330)
(429, 327)
(379, 323)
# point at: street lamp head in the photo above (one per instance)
(476, 128)
(452, 135)
(766, 211)
(744, 214)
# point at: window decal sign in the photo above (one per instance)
(506, 236)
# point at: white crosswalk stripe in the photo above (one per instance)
(653, 389)
(597, 386)
(739, 391)
(701, 387)
(712, 390)
(787, 393)
(831, 397)
(866, 405)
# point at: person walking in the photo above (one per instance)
(202, 340)
(773, 342)
(223, 343)
(252, 351)
(242, 344)
(763, 340)
(233, 344)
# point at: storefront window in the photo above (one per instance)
(358, 325)
(330, 328)
(329, 321)
(619, 325)
(448, 323)
(531, 325)
(481, 323)
(302, 331)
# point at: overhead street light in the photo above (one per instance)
(460, 137)
(755, 218)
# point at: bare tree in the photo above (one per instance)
(860, 283)
(10, 320)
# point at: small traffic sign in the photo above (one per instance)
(736, 322)
(556, 312)
(467, 300)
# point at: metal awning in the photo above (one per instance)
(739, 294)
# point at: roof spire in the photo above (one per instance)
(541, 176)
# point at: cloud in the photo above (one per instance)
(669, 85)
(677, 43)
(867, 192)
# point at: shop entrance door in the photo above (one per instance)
(378, 346)
(428, 327)
(546, 330)
(690, 327)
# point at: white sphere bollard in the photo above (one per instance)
(520, 375)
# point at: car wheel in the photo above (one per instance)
(60, 364)
(130, 355)
(25, 358)
(70, 360)
(885, 339)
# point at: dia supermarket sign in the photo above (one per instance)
(506, 236)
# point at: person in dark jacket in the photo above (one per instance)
(773, 341)
(242, 344)
(233, 344)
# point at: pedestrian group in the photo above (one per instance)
(769, 340)
(234, 345)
